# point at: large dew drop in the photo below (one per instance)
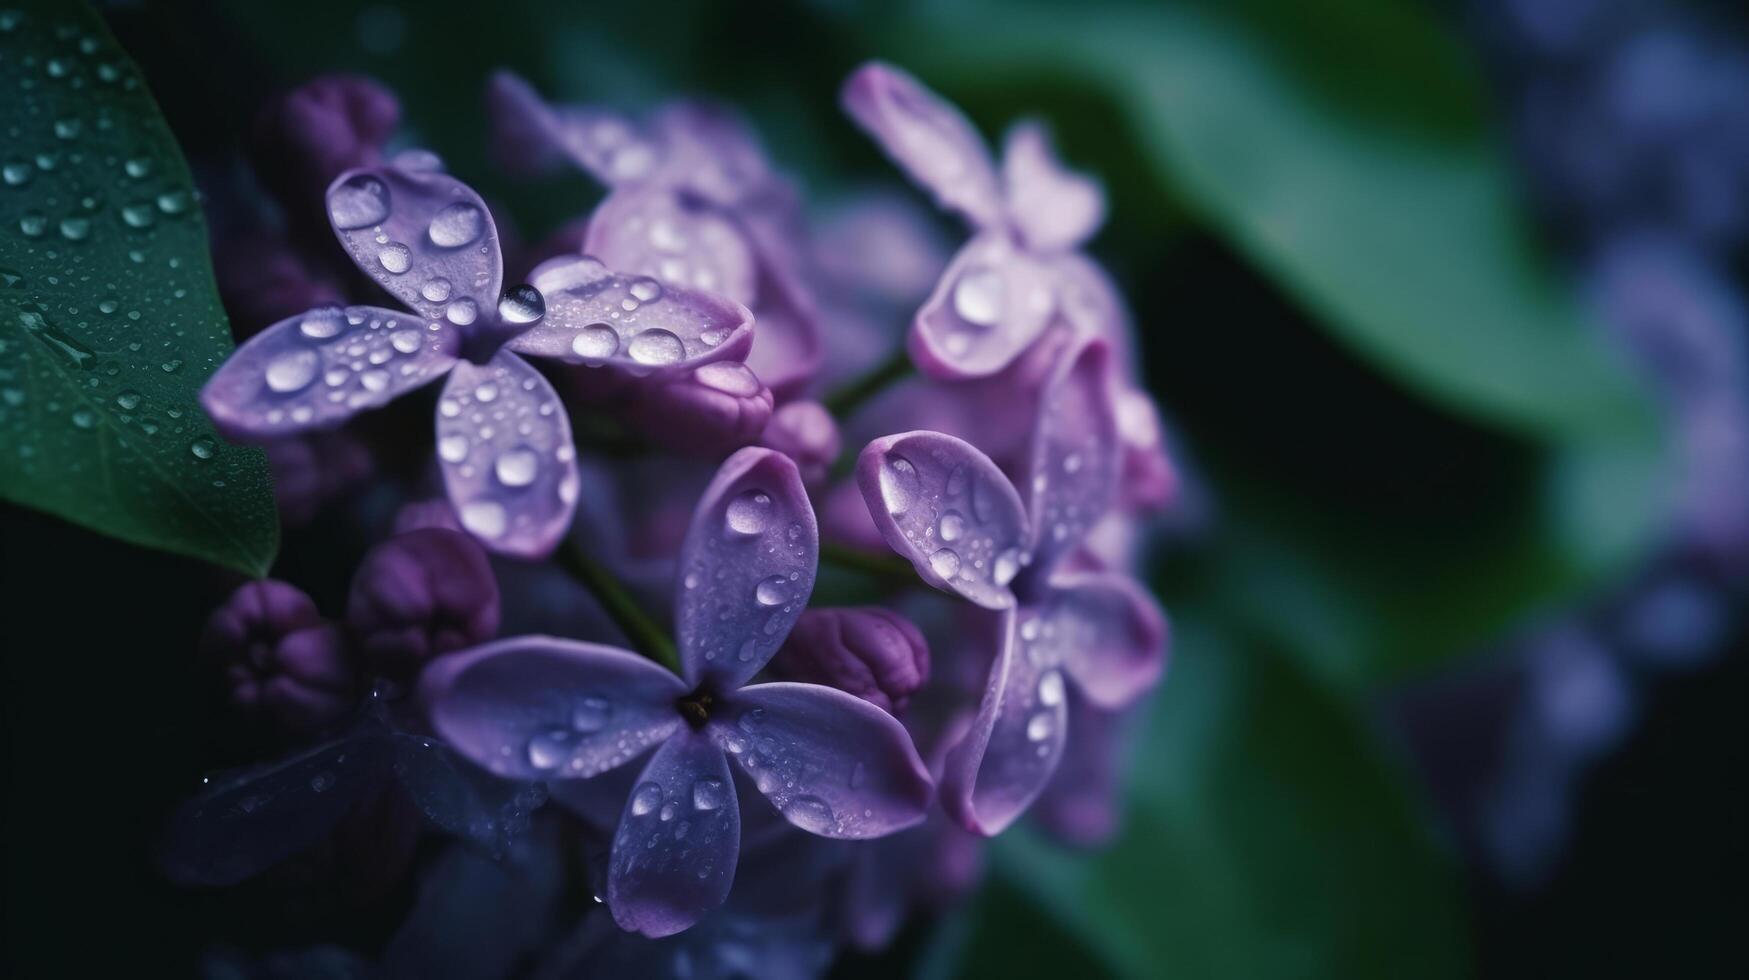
(645, 799)
(749, 513)
(773, 591)
(522, 304)
(945, 562)
(811, 814)
(517, 467)
(358, 203)
(591, 715)
(546, 750)
(709, 794)
(656, 346)
(899, 484)
(292, 371)
(596, 342)
(395, 257)
(484, 518)
(456, 225)
(977, 297)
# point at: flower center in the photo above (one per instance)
(695, 708)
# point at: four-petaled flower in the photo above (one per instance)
(943, 504)
(541, 708)
(503, 438)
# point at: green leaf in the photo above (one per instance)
(1337, 146)
(109, 319)
(1265, 837)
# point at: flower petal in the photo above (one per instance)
(536, 707)
(1054, 208)
(457, 797)
(944, 505)
(990, 305)
(928, 138)
(248, 820)
(609, 146)
(318, 369)
(652, 231)
(1076, 456)
(787, 346)
(711, 152)
(425, 237)
(1004, 761)
(831, 763)
(1108, 633)
(673, 857)
(504, 443)
(1083, 805)
(633, 323)
(747, 568)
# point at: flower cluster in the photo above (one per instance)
(694, 398)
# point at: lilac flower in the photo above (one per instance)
(715, 409)
(693, 202)
(874, 653)
(281, 659)
(503, 439)
(805, 432)
(944, 505)
(551, 709)
(419, 595)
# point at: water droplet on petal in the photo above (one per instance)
(453, 448)
(646, 290)
(517, 467)
(395, 257)
(1007, 566)
(546, 750)
(591, 715)
(953, 524)
(945, 562)
(749, 513)
(462, 312)
(977, 297)
(899, 484)
(406, 341)
(811, 814)
(435, 290)
(128, 400)
(1050, 689)
(522, 304)
(596, 342)
(292, 370)
(358, 203)
(656, 346)
(773, 591)
(484, 518)
(645, 799)
(322, 324)
(709, 794)
(1038, 727)
(202, 448)
(456, 225)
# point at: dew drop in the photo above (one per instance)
(952, 526)
(595, 342)
(945, 562)
(435, 290)
(591, 715)
(749, 513)
(138, 215)
(645, 799)
(484, 518)
(1050, 689)
(548, 749)
(1038, 727)
(322, 324)
(202, 448)
(656, 346)
(773, 591)
(522, 304)
(517, 467)
(292, 370)
(709, 794)
(405, 341)
(899, 484)
(1006, 567)
(358, 203)
(646, 290)
(453, 449)
(128, 400)
(811, 814)
(462, 312)
(395, 257)
(977, 297)
(456, 225)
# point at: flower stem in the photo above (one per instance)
(851, 397)
(650, 639)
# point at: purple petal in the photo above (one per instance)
(633, 323)
(711, 152)
(991, 304)
(674, 855)
(1012, 748)
(787, 347)
(536, 707)
(652, 231)
(1108, 633)
(606, 144)
(1054, 208)
(709, 412)
(319, 369)
(427, 238)
(928, 138)
(874, 653)
(1082, 804)
(831, 763)
(941, 503)
(747, 568)
(504, 444)
(1076, 456)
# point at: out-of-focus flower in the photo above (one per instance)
(693, 203)
(945, 506)
(805, 432)
(707, 412)
(549, 709)
(311, 469)
(504, 442)
(310, 135)
(874, 653)
(419, 595)
(281, 660)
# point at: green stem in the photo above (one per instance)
(650, 639)
(849, 398)
(889, 568)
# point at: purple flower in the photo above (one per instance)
(715, 409)
(551, 709)
(282, 661)
(503, 439)
(805, 432)
(419, 595)
(873, 653)
(308, 136)
(944, 505)
(693, 202)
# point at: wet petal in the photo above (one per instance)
(1076, 455)
(634, 323)
(318, 369)
(710, 151)
(708, 412)
(535, 707)
(991, 304)
(787, 346)
(941, 503)
(247, 821)
(831, 763)
(459, 798)
(1082, 806)
(746, 568)
(1108, 633)
(652, 231)
(928, 138)
(1014, 744)
(427, 238)
(673, 858)
(609, 146)
(1054, 208)
(504, 443)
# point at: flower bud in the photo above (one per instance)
(420, 595)
(712, 410)
(805, 432)
(307, 137)
(281, 660)
(873, 653)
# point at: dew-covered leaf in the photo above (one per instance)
(109, 319)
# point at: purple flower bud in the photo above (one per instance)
(282, 661)
(419, 595)
(716, 408)
(314, 132)
(426, 514)
(805, 432)
(873, 653)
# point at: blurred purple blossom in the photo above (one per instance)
(418, 595)
(282, 661)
